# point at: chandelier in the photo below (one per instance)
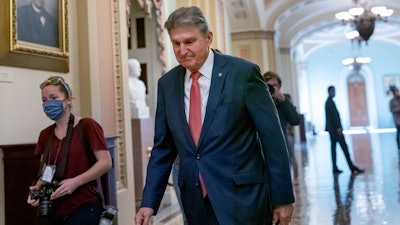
(362, 19)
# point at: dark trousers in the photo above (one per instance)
(175, 174)
(335, 137)
(398, 136)
(204, 214)
(198, 210)
(85, 215)
(212, 219)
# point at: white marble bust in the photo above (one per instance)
(139, 108)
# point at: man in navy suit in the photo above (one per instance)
(240, 156)
(36, 25)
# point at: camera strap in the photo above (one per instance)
(58, 176)
(46, 154)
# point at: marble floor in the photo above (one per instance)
(370, 198)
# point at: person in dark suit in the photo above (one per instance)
(235, 170)
(36, 25)
(334, 127)
(288, 116)
(394, 106)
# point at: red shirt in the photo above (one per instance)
(77, 162)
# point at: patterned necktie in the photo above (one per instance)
(195, 123)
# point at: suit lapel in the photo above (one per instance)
(217, 81)
(218, 77)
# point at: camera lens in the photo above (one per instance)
(45, 207)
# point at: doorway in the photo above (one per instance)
(357, 100)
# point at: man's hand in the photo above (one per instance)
(283, 214)
(143, 216)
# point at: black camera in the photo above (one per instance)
(271, 89)
(108, 215)
(43, 195)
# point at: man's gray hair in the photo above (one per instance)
(187, 16)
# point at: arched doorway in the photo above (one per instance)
(356, 90)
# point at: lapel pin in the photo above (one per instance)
(219, 74)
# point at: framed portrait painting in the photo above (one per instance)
(35, 34)
(391, 81)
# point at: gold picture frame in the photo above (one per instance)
(25, 44)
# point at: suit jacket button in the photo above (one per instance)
(198, 156)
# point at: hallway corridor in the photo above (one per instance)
(370, 198)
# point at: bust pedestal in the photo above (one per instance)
(140, 112)
(142, 140)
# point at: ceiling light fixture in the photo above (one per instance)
(362, 19)
(356, 62)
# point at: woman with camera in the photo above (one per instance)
(74, 154)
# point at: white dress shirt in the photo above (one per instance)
(204, 83)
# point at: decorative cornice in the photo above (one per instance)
(246, 35)
(284, 50)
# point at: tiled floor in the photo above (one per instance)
(370, 198)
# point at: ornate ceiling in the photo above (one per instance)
(305, 21)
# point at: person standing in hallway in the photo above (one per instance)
(70, 165)
(288, 116)
(394, 105)
(216, 113)
(334, 127)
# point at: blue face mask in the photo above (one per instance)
(53, 108)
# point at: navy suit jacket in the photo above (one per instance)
(241, 153)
